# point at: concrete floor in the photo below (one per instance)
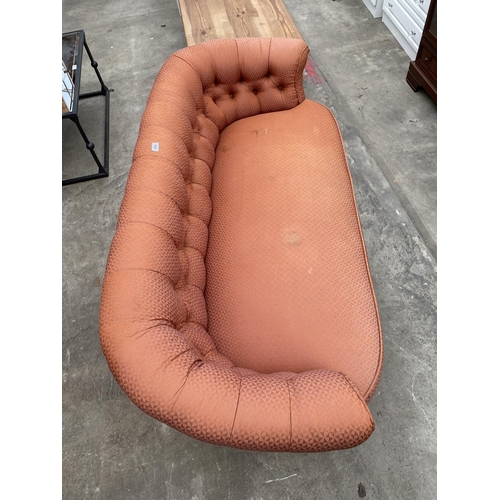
(111, 450)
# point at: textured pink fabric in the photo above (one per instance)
(288, 285)
(155, 330)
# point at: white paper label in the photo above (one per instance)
(155, 146)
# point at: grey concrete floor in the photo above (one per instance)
(111, 450)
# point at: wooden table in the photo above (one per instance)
(210, 19)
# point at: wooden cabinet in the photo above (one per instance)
(423, 70)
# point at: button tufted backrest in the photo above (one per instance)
(247, 76)
(198, 92)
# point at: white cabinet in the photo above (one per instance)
(374, 6)
(405, 19)
(419, 7)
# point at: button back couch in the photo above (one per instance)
(237, 303)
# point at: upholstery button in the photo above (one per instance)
(231, 96)
(280, 88)
(255, 91)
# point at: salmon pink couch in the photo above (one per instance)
(237, 303)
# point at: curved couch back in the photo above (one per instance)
(229, 79)
(198, 92)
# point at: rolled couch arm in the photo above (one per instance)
(200, 393)
(153, 318)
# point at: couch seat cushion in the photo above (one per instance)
(288, 286)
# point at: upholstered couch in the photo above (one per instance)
(237, 304)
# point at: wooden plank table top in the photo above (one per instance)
(205, 20)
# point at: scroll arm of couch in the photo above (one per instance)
(202, 394)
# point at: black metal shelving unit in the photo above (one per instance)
(73, 43)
